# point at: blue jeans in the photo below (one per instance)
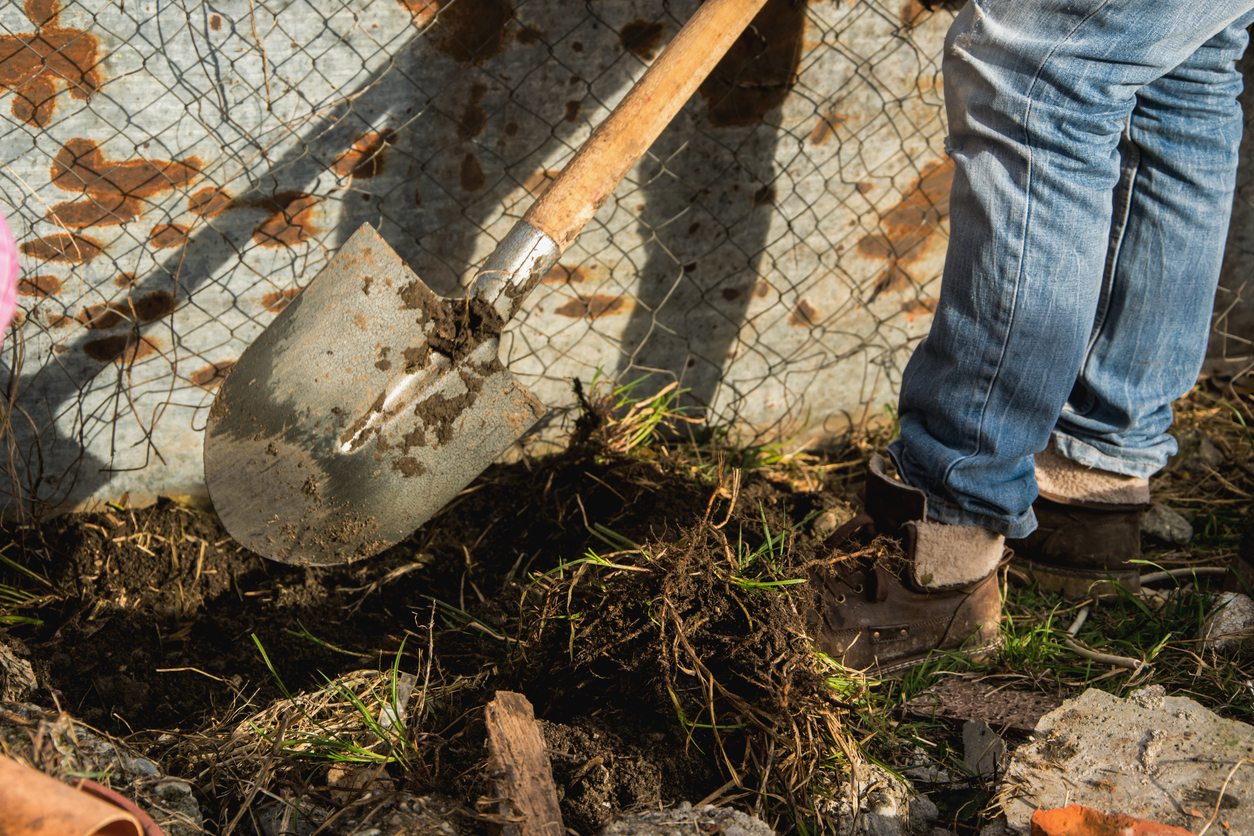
(1095, 153)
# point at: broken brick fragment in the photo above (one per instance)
(1078, 820)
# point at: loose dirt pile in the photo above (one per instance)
(644, 604)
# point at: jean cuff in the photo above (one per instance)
(1014, 528)
(942, 511)
(1139, 463)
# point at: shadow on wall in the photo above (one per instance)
(447, 173)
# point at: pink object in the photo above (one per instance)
(8, 277)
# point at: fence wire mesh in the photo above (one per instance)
(176, 171)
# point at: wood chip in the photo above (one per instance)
(520, 766)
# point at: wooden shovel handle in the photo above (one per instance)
(591, 176)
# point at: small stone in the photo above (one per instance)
(826, 523)
(982, 748)
(142, 766)
(685, 819)
(1162, 523)
(174, 790)
(1208, 454)
(1230, 625)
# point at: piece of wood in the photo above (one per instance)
(591, 176)
(520, 767)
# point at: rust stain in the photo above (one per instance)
(124, 280)
(279, 299)
(565, 274)
(208, 377)
(209, 202)
(530, 35)
(147, 308)
(916, 308)
(165, 236)
(215, 22)
(760, 288)
(764, 195)
(591, 307)
(473, 118)
(423, 11)
(103, 315)
(641, 38)
(472, 176)
(115, 191)
(469, 33)
(912, 11)
(40, 287)
(365, 158)
(63, 248)
(538, 181)
(291, 219)
(757, 72)
(123, 348)
(36, 66)
(804, 315)
(826, 127)
(572, 111)
(58, 320)
(731, 294)
(153, 306)
(863, 187)
(908, 231)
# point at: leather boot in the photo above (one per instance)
(1088, 529)
(899, 587)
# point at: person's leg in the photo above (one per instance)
(1149, 341)
(1171, 209)
(1038, 94)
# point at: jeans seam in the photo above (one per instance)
(1027, 219)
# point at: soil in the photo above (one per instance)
(155, 617)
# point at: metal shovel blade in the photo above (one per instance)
(340, 430)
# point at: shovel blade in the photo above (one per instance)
(339, 431)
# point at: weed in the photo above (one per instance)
(352, 719)
(29, 591)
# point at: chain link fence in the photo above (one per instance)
(177, 170)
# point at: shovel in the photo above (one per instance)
(370, 402)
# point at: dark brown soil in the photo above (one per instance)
(152, 625)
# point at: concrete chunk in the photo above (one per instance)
(1166, 759)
